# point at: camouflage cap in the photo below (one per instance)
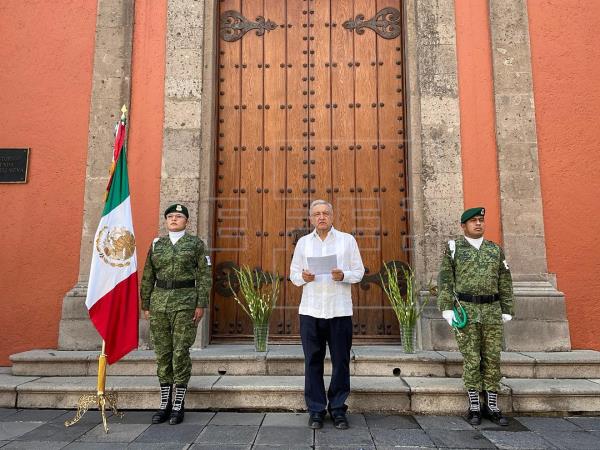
(177, 207)
(472, 212)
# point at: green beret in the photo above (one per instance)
(472, 212)
(177, 207)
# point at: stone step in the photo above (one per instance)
(283, 360)
(415, 395)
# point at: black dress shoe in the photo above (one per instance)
(474, 417)
(495, 416)
(315, 421)
(340, 421)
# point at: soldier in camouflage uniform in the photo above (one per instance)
(474, 271)
(175, 289)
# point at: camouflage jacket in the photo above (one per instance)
(476, 272)
(186, 260)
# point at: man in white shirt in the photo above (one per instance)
(326, 314)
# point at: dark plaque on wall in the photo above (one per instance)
(13, 165)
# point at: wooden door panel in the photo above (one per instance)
(297, 148)
(227, 183)
(308, 108)
(342, 118)
(370, 314)
(391, 156)
(319, 120)
(273, 187)
(252, 159)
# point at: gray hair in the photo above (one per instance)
(320, 202)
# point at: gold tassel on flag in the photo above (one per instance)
(101, 399)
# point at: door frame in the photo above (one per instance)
(432, 119)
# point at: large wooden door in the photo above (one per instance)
(310, 106)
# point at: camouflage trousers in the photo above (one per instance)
(173, 333)
(480, 345)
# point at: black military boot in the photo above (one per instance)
(178, 404)
(474, 412)
(164, 410)
(491, 410)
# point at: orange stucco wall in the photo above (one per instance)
(477, 123)
(46, 81)
(566, 64)
(146, 120)
(45, 86)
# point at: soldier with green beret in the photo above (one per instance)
(175, 290)
(474, 274)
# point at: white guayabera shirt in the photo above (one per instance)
(324, 298)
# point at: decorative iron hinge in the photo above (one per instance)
(225, 274)
(298, 233)
(386, 23)
(376, 277)
(234, 26)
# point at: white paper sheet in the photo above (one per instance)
(320, 265)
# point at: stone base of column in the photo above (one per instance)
(144, 341)
(76, 331)
(540, 322)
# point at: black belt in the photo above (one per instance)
(171, 284)
(478, 298)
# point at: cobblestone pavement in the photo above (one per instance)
(44, 429)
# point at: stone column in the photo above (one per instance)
(111, 85)
(540, 311)
(187, 157)
(435, 168)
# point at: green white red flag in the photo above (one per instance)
(112, 296)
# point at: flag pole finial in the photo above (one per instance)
(124, 111)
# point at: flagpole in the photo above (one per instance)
(102, 370)
(102, 385)
(101, 399)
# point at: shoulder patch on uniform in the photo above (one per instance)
(208, 263)
(505, 265)
(452, 246)
(154, 241)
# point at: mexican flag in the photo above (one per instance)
(112, 296)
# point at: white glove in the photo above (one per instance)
(448, 316)
(506, 318)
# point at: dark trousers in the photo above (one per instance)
(316, 334)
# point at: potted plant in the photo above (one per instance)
(258, 294)
(398, 283)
